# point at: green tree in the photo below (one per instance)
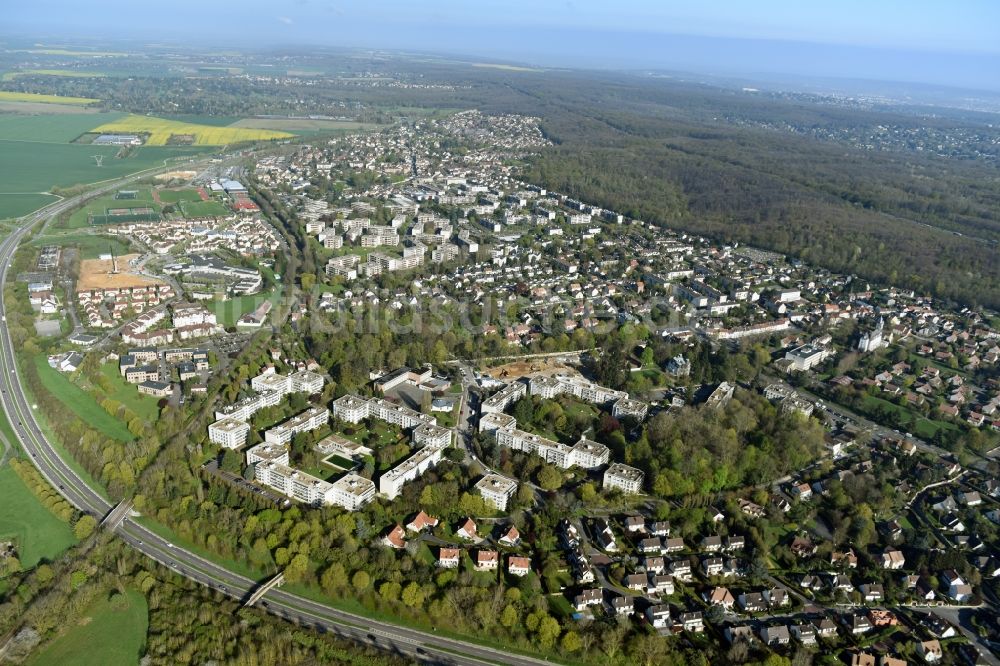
(361, 580)
(297, 568)
(509, 616)
(334, 578)
(549, 478)
(84, 526)
(571, 640)
(413, 595)
(548, 631)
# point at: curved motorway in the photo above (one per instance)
(428, 646)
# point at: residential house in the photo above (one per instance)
(448, 558)
(518, 566)
(467, 530)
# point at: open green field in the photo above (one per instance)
(51, 129)
(105, 636)
(80, 402)
(44, 108)
(127, 394)
(8, 96)
(91, 246)
(215, 121)
(919, 425)
(228, 311)
(18, 204)
(10, 76)
(38, 533)
(302, 124)
(36, 155)
(210, 208)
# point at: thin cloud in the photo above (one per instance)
(286, 20)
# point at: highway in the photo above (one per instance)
(419, 645)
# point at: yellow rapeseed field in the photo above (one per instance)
(160, 130)
(45, 99)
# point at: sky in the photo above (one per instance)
(935, 41)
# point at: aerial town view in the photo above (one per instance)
(374, 336)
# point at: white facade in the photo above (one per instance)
(391, 483)
(506, 396)
(266, 453)
(627, 479)
(310, 419)
(496, 490)
(229, 433)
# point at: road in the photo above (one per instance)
(413, 643)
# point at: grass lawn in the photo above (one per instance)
(386, 432)
(560, 606)
(228, 311)
(80, 402)
(913, 422)
(339, 461)
(173, 196)
(128, 395)
(105, 636)
(91, 245)
(210, 208)
(39, 534)
(323, 472)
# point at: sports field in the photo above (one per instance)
(45, 99)
(160, 131)
(80, 402)
(105, 635)
(38, 533)
(173, 196)
(80, 218)
(210, 208)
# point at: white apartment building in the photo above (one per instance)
(229, 433)
(351, 491)
(550, 387)
(492, 421)
(294, 483)
(497, 490)
(585, 453)
(307, 382)
(247, 407)
(190, 315)
(627, 479)
(297, 382)
(503, 398)
(628, 407)
(426, 433)
(807, 356)
(350, 408)
(391, 483)
(310, 419)
(267, 453)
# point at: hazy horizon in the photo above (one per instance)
(918, 42)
